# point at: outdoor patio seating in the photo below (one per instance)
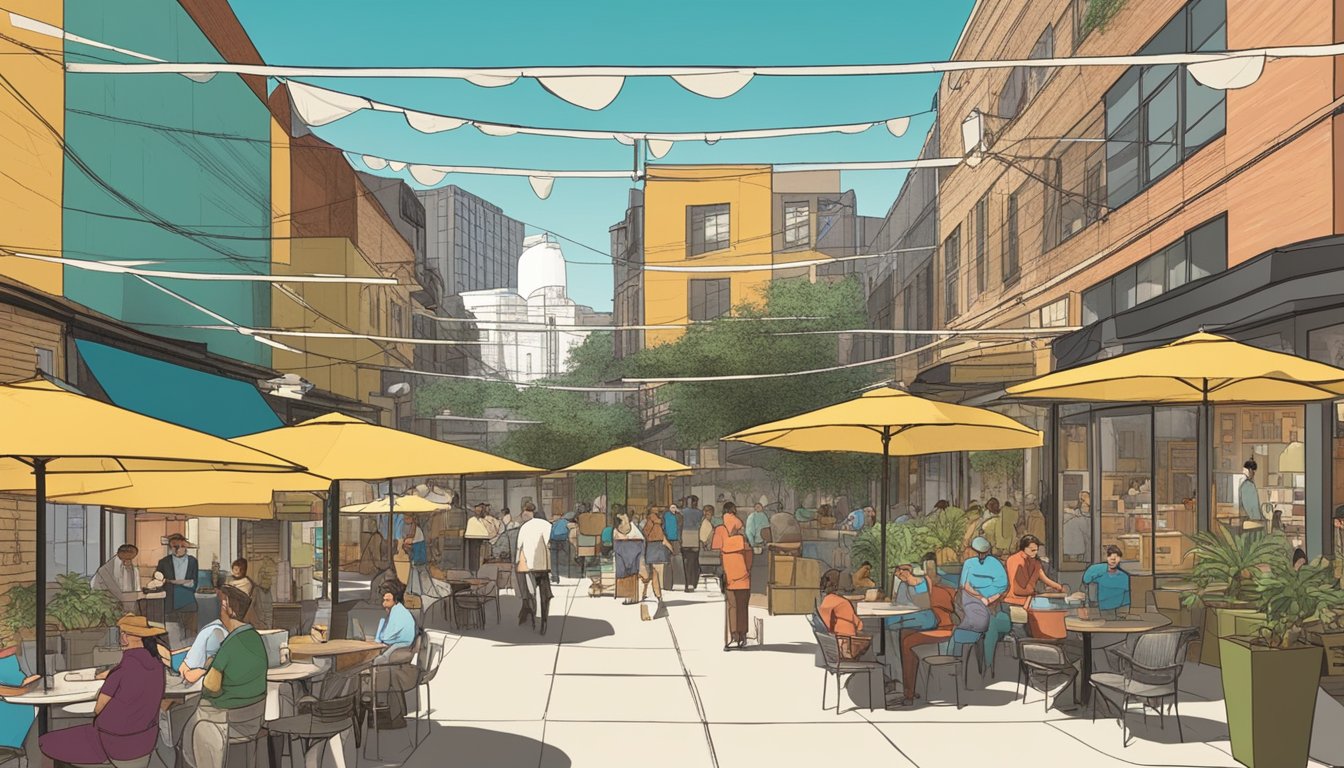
(1149, 674)
(321, 719)
(842, 668)
(1043, 662)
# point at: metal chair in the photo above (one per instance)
(476, 598)
(830, 650)
(1046, 661)
(957, 660)
(384, 672)
(427, 661)
(322, 719)
(1149, 674)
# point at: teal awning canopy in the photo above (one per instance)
(202, 401)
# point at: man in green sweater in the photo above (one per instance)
(233, 693)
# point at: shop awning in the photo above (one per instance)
(202, 401)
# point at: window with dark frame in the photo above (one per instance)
(982, 244)
(951, 274)
(1011, 240)
(1156, 116)
(797, 224)
(1025, 82)
(1201, 252)
(709, 299)
(707, 228)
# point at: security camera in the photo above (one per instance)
(399, 389)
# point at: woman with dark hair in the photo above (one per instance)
(656, 555)
(125, 726)
(628, 545)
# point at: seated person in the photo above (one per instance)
(837, 613)
(863, 576)
(203, 649)
(16, 720)
(934, 625)
(855, 521)
(393, 672)
(1025, 574)
(825, 518)
(1112, 581)
(125, 727)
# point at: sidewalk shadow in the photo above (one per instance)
(477, 747)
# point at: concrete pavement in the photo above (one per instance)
(604, 688)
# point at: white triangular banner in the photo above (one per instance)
(318, 106)
(659, 147)
(432, 123)
(719, 85)
(427, 174)
(374, 163)
(492, 81)
(489, 129)
(542, 185)
(898, 126)
(588, 91)
(396, 166)
(1228, 74)
(624, 138)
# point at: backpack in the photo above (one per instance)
(560, 530)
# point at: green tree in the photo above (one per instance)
(572, 428)
(594, 362)
(462, 397)
(751, 343)
(844, 474)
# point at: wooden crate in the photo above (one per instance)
(791, 601)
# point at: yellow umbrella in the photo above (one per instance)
(1199, 368)
(627, 459)
(339, 447)
(1202, 368)
(185, 489)
(889, 421)
(234, 511)
(409, 503)
(50, 429)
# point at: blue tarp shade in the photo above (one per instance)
(202, 401)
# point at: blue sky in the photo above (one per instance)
(607, 32)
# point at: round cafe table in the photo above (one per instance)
(344, 654)
(61, 691)
(883, 609)
(1133, 623)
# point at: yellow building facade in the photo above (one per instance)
(30, 189)
(722, 216)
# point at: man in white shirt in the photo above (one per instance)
(532, 562)
(120, 577)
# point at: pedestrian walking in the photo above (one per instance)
(730, 540)
(628, 546)
(656, 555)
(672, 521)
(690, 543)
(532, 563)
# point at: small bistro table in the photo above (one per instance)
(345, 654)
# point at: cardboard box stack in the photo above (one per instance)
(794, 584)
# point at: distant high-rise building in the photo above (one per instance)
(470, 242)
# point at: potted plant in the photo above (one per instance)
(83, 615)
(906, 543)
(1270, 678)
(1223, 574)
(946, 532)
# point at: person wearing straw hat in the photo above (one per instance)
(180, 571)
(1248, 498)
(125, 727)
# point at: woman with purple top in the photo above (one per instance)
(125, 724)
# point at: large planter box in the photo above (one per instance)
(1270, 699)
(791, 601)
(1218, 623)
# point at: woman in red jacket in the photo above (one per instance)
(730, 539)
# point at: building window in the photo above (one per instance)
(1011, 240)
(709, 298)
(1055, 314)
(692, 457)
(1025, 82)
(1156, 116)
(982, 244)
(797, 224)
(951, 272)
(708, 228)
(1200, 253)
(395, 310)
(46, 361)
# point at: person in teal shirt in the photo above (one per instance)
(16, 720)
(398, 629)
(984, 582)
(1112, 581)
(757, 521)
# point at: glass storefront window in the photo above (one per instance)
(1074, 521)
(1175, 480)
(1125, 503)
(1272, 435)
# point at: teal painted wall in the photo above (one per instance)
(195, 155)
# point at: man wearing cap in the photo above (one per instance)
(1248, 498)
(180, 569)
(125, 725)
(984, 582)
(233, 693)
